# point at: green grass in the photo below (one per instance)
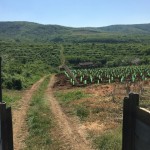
(110, 140)
(39, 121)
(70, 96)
(11, 97)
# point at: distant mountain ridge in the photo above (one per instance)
(28, 31)
(135, 28)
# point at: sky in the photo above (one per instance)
(76, 13)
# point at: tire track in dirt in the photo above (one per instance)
(20, 130)
(72, 134)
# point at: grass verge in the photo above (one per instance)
(109, 140)
(39, 120)
(11, 97)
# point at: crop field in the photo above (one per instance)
(98, 103)
(130, 74)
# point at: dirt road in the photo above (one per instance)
(71, 133)
(19, 117)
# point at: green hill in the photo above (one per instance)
(129, 29)
(33, 32)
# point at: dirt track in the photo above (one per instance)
(19, 117)
(71, 133)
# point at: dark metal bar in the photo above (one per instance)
(9, 129)
(3, 126)
(129, 118)
(126, 123)
(0, 79)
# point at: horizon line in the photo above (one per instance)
(46, 24)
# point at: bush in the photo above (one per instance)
(13, 82)
(17, 84)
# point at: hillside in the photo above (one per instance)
(33, 32)
(130, 29)
(29, 50)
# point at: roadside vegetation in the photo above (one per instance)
(39, 120)
(24, 64)
(11, 97)
(20, 76)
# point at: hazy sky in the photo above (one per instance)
(76, 13)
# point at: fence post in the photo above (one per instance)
(0, 106)
(6, 132)
(129, 118)
(9, 129)
(0, 79)
(3, 129)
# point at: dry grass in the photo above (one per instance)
(103, 110)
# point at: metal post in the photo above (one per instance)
(9, 129)
(0, 108)
(129, 118)
(3, 136)
(0, 79)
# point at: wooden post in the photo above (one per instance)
(129, 118)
